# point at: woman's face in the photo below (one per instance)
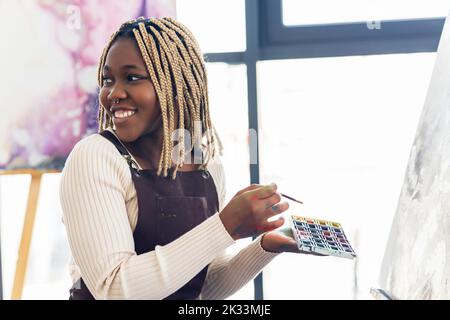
(126, 80)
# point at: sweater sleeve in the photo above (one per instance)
(230, 272)
(101, 239)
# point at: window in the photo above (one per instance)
(302, 12)
(228, 105)
(222, 29)
(336, 133)
(315, 33)
(47, 275)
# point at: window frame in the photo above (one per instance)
(269, 39)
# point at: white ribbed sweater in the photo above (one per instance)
(100, 211)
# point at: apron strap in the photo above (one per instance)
(123, 151)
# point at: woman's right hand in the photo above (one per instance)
(247, 213)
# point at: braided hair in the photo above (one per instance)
(177, 70)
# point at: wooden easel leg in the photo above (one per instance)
(25, 241)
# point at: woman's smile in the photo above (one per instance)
(121, 115)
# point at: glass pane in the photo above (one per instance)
(336, 133)
(228, 104)
(227, 86)
(297, 12)
(47, 275)
(13, 201)
(219, 26)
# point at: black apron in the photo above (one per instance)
(167, 209)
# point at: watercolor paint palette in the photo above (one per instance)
(321, 236)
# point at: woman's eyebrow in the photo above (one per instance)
(125, 67)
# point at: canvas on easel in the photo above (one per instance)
(416, 263)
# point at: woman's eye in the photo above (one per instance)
(106, 81)
(134, 78)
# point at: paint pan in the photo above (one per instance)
(321, 236)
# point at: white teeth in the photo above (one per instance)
(123, 113)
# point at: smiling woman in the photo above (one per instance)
(129, 99)
(128, 79)
(141, 223)
(157, 67)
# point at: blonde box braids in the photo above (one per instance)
(177, 70)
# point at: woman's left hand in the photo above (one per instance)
(281, 240)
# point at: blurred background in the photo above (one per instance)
(322, 97)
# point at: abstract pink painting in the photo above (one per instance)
(49, 58)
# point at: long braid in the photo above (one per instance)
(170, 99)
(161, 96)
(196, 54)
(185, 60)
(162, 100)
(194, 80)
(199, 71)
(161, 60)
(103, 117)
(173, 64)
(151, 48)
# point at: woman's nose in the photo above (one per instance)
(117, 92)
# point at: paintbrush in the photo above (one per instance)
(290, 198)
